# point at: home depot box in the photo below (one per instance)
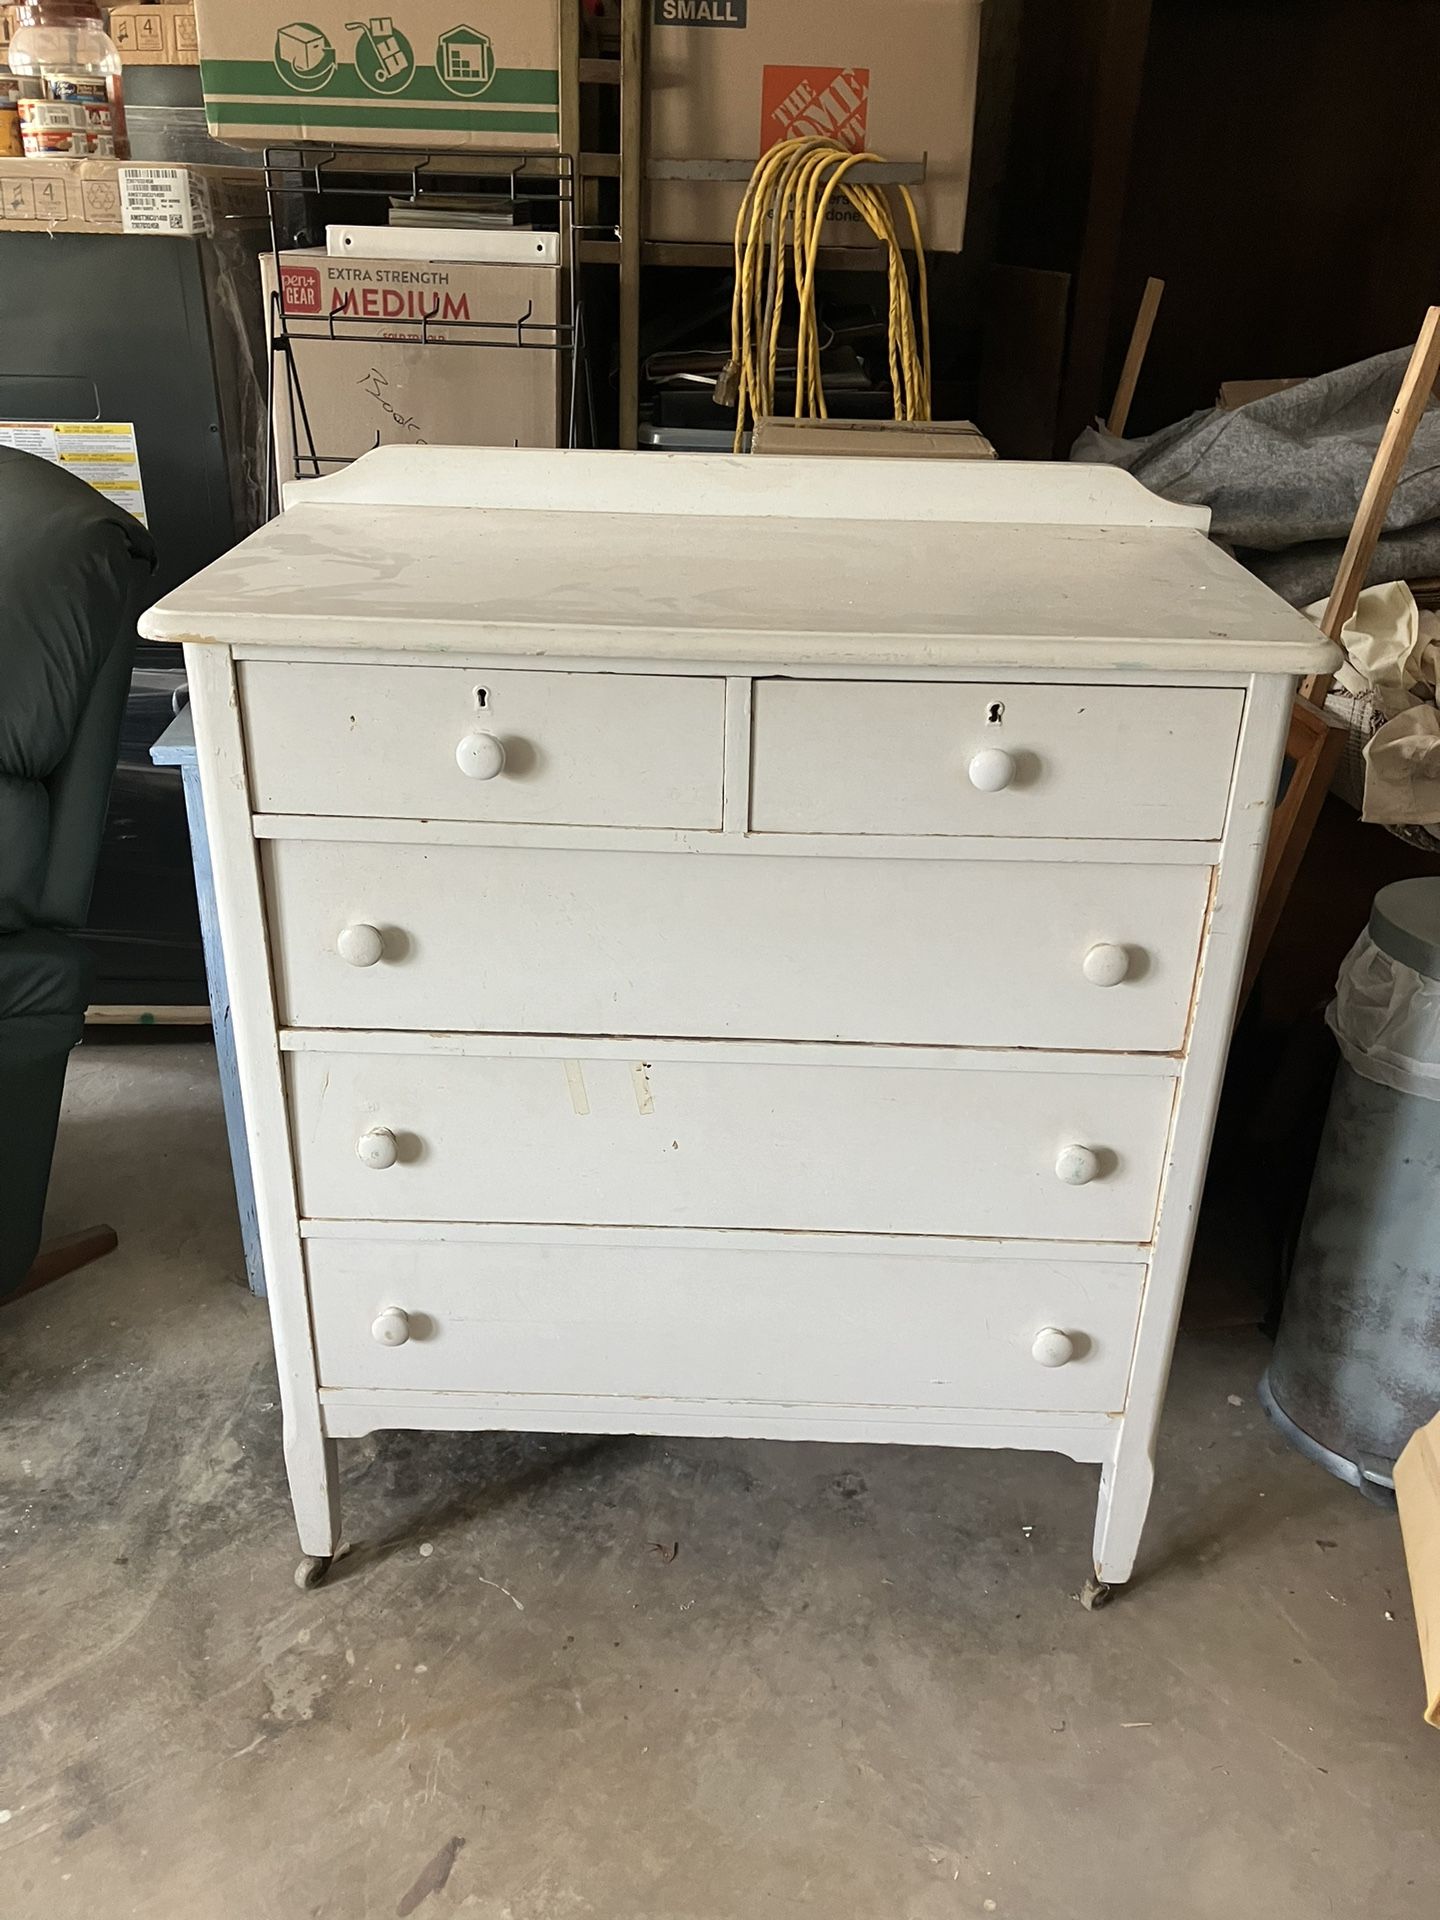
(728, 79)
(429, 73)
(122, 196)
(877, 439)
(156, 36)
(370, 379)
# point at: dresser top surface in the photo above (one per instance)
(774, 562)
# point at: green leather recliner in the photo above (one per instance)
(73, 570)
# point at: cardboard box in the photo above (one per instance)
(122, 196)
(729, 79)
(376, 383)
(429, 73)
(1417, 1489)
(879, 439)
(156, 36)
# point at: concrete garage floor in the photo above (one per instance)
(863, 1686)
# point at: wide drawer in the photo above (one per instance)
(1075, 763)
(843, 1140)
(777, 1326)
(420, 742)
(735, 946)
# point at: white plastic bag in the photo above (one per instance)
(1386, 1018)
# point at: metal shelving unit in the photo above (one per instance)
(626, 248)
(542, 185)
(569, 184)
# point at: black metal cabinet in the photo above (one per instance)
(163, 333)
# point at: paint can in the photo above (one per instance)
(54, 128)
(91, 93)
(11, 88)
(1356, 1367)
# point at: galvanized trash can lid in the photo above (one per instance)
(1405, 923)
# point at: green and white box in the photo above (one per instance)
(426, 73)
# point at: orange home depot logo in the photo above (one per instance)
(805, 103)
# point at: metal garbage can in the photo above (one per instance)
(1356, 1366)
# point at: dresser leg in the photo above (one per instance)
(312, 1464)
(1126, 1481)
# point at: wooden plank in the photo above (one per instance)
(57, 1258)
(309, 1453)
(357, 1412)
(632, 185)
(1027, 311)
(570, 64)
(718, 253)
(1114, 57)
(1390, 457)
(1313, 748)
(1317, 738)
(1135, 356)
(1126, 1478)
(868, 173)
(115, 1016)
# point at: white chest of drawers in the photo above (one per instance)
(726, 947)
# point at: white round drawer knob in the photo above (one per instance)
(1078, 1166)
(992, 770)
(480, 756)
(1052, 1348)
(360, 946)
(391, 1328)
(1106, 966)
(378, 1148)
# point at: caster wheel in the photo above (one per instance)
(312, 1570)
(1095, 1594)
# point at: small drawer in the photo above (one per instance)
(780, 1326)
(1070, 763)
(442, 743)
(728, 1137)
(735, 946)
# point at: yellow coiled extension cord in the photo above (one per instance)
(784, 211)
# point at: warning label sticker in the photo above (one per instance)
(102, 452)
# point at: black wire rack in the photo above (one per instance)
(306, 190)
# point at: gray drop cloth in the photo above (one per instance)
(1283, 476)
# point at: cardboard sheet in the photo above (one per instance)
(879, 439)
(124, 196)
(1417, 1487)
